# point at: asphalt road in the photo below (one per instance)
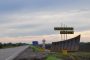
(10, 53)
(29, 54)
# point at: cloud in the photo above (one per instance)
(41, 5)
(22, 18)
(49, 38)
(41, 23)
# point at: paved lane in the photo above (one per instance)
(29, 54)
(10, 53)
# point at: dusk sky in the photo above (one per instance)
(28, 20)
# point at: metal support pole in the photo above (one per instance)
(61, 34)
(64, 34)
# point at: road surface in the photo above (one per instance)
(10, 53)
(29, 54)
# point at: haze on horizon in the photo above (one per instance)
(28, 20)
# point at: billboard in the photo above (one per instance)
(69, 44)
(66, 32)
(63, 28)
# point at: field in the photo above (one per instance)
(71, 56)
(61, 56)
(81, 55)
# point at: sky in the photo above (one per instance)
(31, 20)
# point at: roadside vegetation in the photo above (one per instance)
(70, 56)
(36, 48)
(55, 56)
(52, 58)
(81, 55)
(49, 56)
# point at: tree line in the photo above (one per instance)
(85, 46)
(8, 45)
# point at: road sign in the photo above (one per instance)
(35, 43)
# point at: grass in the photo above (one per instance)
(73, 55)
(52, 58)
(55, 56)
(60, 56)
(49, 56)
(81, 55)
(37, 49)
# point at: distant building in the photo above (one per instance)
(69, 45)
